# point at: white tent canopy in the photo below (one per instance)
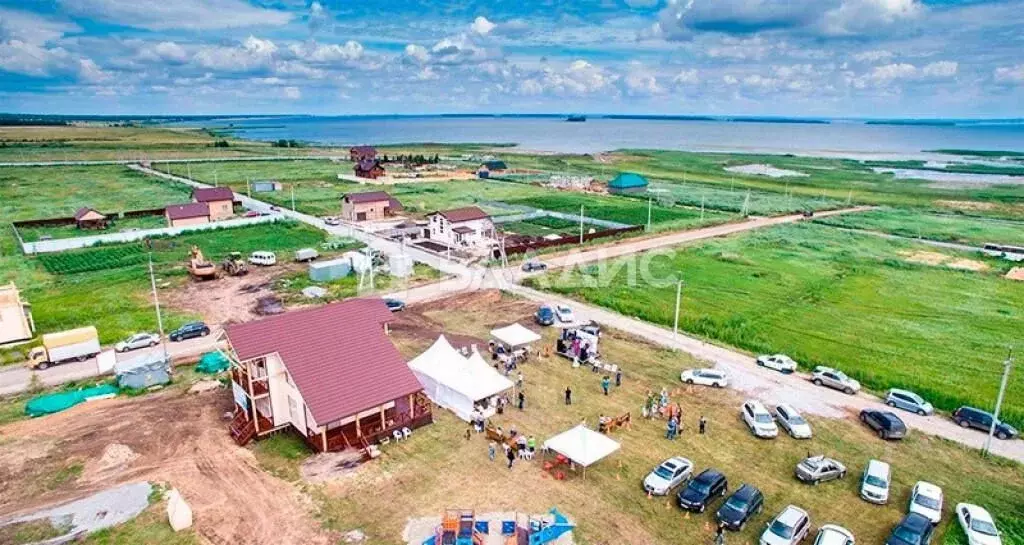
(582, 445)
(515, 335)
(455, 382)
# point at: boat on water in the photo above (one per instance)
(576, 118)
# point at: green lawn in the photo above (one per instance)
(53, 192)
(836, 298)
(539, 227)
(32, 234)
(943, 227)
(625, 210)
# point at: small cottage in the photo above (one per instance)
(89, 218)
(193, 213)
(489, 168)
(461, 227)
(369, 168)
(368, 206)
(627, 182)
(220, 200)
(362, 153)
(16, 323)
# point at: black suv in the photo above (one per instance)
(744, 503)
(886, 424)
(914, 529)
(969, 417)
(189, 331)
(702, 489)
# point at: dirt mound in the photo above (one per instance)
(966, 205)
(229, 299)
(967, 265)
(927, 258)
(176, 438)
(936, 259)
(1016, 273)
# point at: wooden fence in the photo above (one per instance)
(538, 244)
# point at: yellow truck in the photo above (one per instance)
(74, 344)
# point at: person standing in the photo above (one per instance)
(511, 455)
(703, 424)
(468, 434)
(720, 534)
(519, 380)
(492, 449)
(618, 377)
(522, 399)
(568, 395)
(605, 384)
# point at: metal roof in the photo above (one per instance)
(190, 210)
(628, 180)
(211, 194)
(458, 215)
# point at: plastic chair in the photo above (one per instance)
(397, 435)
(482, 526)
(406, 432)
(508, 527)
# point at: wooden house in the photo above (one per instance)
(89, 218)
(220, 200)
(361, 153)
(461, 227)
(368, 206)
(193, 213)
(369, 168)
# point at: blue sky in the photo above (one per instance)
(841, 58)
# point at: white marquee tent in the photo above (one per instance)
(454, 381)
(514, 335)
(582, 445)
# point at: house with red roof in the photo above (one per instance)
(329, 373)
(368, 206)
(220, 200)
(89, 218)
(181, 215)
(466, 227)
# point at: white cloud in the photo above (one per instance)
(31, 28)
(90, 72)
(453, 50)
(686, 77)
(291, 93)
(417, 53)
(482, 26)
(328, 53)
(640, 81)
(859, 17)
(426, 74)
(577, 79)
(253, 55)
(941, 69)
(873, 55)
(177, 14)
(167, 52)
(1009, 74)
(29, 59)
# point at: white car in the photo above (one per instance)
(779, 362)
(670, 474)
(263, 259)
(792, 421)
(978, 525)
(705, 377)
(789, 528)
(926, 500)
(136, 341)
(564, 314)
(759, 420)
(332, 220)
(874, 486)
(831, 534)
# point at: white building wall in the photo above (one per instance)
(441, 230)
(283, 394)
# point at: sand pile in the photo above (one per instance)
(1016, 273)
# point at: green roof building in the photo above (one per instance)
(628, 182)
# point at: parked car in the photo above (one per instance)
(264, 259)
(306, 254)
(394, 305)
(252, 214)
(978, 525)
(926, 499)
(790, 527)
(913, 529)
(564, 314)
(705, 377)
(779, 362)
(668, 475)
(189, 331)
(819, 468)
(332, 220)
(743, 504)
(874, 485)
(702, 490)
(826, 376)
(908, 401)
(136, 341)
(886, 424)
(759, 420)
(831, 534)
(544, 315)
(792, 421)
(969, 417)
(534, 265)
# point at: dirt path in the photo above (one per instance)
(178, 439)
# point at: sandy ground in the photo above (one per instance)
(1016, 273)
(936, 259)
(228, 299)
(173, 438)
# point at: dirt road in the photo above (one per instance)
(171, 437)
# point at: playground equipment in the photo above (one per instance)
(199, 267)
(461, 527)
(234, 265)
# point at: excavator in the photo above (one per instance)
(235, 265)
(199, 267)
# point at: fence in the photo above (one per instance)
(539, 244)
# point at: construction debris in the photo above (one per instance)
(268, 305)
(314, 292)
(204, 386)
(179, 514)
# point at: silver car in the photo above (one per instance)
(791, 421)
(670, 474)
(136, 341)
(819, 468)
(835, 379)
(908, 401)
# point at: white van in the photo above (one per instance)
(874, 487)
(264, 259)
(306, 254)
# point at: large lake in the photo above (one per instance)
(838, 138)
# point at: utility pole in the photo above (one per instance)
(293, 197)
(679, 300)
(156, 303)
(702, 208)
(999, 401)
(188, 168)
(581, 224)
(215, 183)
(649, 214)
(248, 188)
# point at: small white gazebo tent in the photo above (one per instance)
(455, 382)
(514, 335)
(582, 445)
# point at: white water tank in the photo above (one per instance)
(400, 265)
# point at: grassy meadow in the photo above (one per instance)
(438, 468)
(869, 306)
(943, 227)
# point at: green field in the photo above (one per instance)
(108, 286)
(829, 297)
(32, 234)
(625, 210)
(542, 226)
(943, 227)
(53, 192)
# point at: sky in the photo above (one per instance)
(814, 58)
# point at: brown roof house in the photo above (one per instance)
(369, 168)
(359, 153)
(330, 373)
(16, 323)
(193, 213)
(461, 227)
(370, 205)
(89, 218)
(221, 201)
